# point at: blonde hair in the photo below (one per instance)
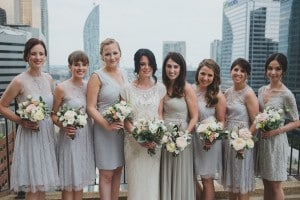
(108, 41)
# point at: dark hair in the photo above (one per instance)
(77, 56)
(243, 63)
(280, 58)
(214, 88)
(29, 45)
(108, 41)
(152, 61)
(179, 84)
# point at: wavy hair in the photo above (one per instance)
(179, 84)
(214, 88)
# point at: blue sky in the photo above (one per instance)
(137, 24)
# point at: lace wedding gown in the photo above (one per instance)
(142, 169)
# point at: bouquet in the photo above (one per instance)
(69, 116)
(240, 140)
(149, 131)
(210, 130)
(269, 119)
(118, 112)
(32, 110)
(175, 139)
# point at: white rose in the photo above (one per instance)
(245, 133)
(234, 134)
(82, 120)
(202, 128)
(71, 121)
(70, 114)
(249, 143)
(165, 139)
(38, 115)
(171, 147)
(181, 142)
(238, 144)
(153, 128)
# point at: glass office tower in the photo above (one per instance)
(250, 31)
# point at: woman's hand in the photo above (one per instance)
(30, 125)
(70, 131)
(148, 145)
(114, 126)
(268, 134)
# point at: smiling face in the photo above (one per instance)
(238, 74)
(37, 56)
(145, 69)
(205, 77)
(172, 70)
(274, 71)
(78, 69)
(111, 55)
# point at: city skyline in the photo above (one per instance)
(137, 25)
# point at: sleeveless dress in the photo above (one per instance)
(273, 152)
(142, 170)
(207, 164)
(34, 165)
(109, 146)
(238, 174)
(177, 177)
(76, 164)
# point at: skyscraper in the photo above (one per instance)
(289, 41)
(176, 46)
(91, 34)
(215, 50)
(250, 31)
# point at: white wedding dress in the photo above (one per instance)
(142, 170)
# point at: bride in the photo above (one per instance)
(145, 96)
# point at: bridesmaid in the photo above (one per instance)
(76, 163)
(103, 90)
(273, 145)
(211, 102)
(34, 166)
(177, 178)
(242, 107)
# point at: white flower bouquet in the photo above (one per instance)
(32, 109)
(118, 112)
(209, 130)
(175, 139)
(240, 140)
(269, 119)
(149, 131)
(74, 117)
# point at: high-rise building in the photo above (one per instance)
(175, 46)
(215, 50)
(289, 42)
(30, 16)
(91, 34)
(250, 31)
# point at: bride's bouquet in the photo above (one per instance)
(74, 117)
(32, 109)
(175, 139)
(240, 140)
(269, 119)
(149, 131)
(118, 112)
(209, 130)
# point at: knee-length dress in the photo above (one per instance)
(76, 162)
(273, 152)
(34, 165)
(177, 174)
(109, 145)
(142, 170)
(207, 164)
(238, 174)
